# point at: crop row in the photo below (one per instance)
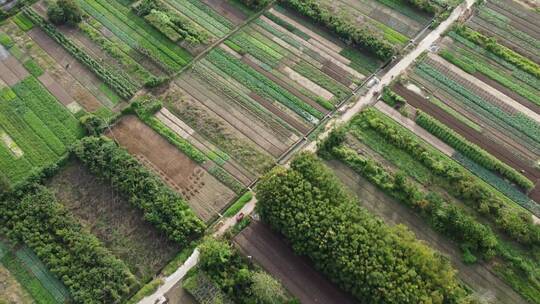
(169, 22)
(142, 42)
(518, 121)
(118, 83)
(471, 150)
(503, 23)
(472, 65)
(117, 50)
(499, 183)
(458, 181)
(262, 85)
(35, 149)
(407, 8)
(206, 20)
(12, 170)
(338, 90)
(210, 76)
(140, 26)
(246, 44)
(49, 110)
(28, 281)
(493, 46)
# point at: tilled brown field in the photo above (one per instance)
(205, 194)
(479, 139)
(298, 276)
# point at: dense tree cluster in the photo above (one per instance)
(374, 262)
(161, 206)
(342, 26)
(461, 183)
(90, 272)
(64, 11)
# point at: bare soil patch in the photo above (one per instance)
(110, 217)
(296, 273)
(205, 194)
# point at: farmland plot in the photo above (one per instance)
(204, 193)
(35, 130)
(513, 24)
(397, 24)
(252, 97)
(109, 216)
(70, 82)
(25, 279)
(499, 96)
(11, 289)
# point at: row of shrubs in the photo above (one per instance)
(444, 217)
(471, 150)
(160, 205)
(90, 272)
(460, 183)
(121, 85)
(392, 98)
(491, 44)
(347, 29)
(374, 262)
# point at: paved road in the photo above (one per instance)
(172, 280)
(348, 113)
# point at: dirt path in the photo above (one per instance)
(411, 125)
(478, 276)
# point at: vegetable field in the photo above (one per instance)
(67, 79)
(478, 76)
(35, 130)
